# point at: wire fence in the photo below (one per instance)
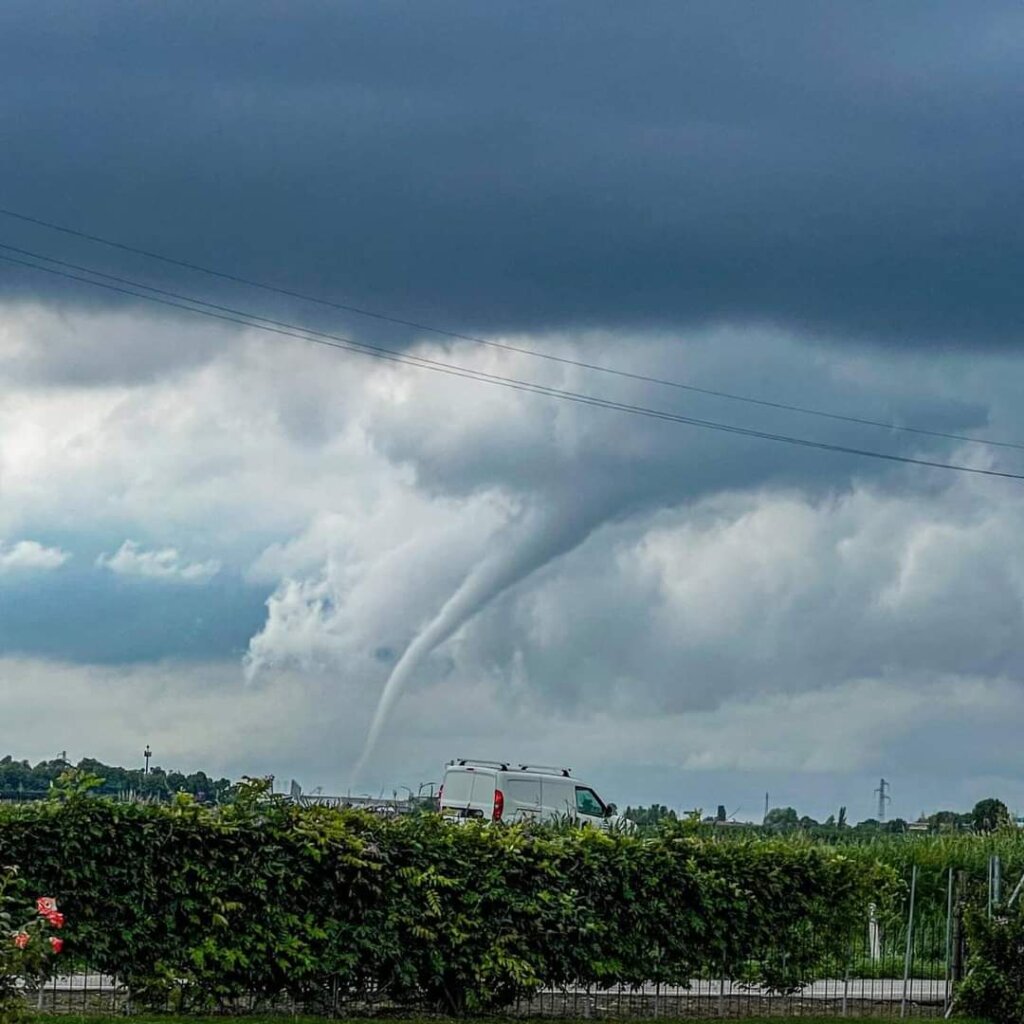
(868, 981)
(703, 998)
(906, 964)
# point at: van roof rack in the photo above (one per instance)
(503, 766)
(546, 769)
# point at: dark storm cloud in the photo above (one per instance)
(846, 169)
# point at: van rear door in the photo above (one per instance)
(468, 793)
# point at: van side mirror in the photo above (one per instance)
(610, 810)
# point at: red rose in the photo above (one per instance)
(46, 905)
(56, 918)
(56, 944)
(21, 940)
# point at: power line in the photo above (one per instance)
(224, 313)
(505, 346)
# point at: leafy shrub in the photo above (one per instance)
(28, 939)
(264, 898)
(994, 986)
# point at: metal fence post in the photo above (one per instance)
(910, 941)
(846, 982)
(989, 882)
(948, 979)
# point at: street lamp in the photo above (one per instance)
(147, 754)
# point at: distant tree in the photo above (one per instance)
(780, 818)
(720, 816)
(649, 815)
(868, 825)
(989, 814)
(945, 821)
(807, 822)
(21, 781)
(841, 821)
(894, 825)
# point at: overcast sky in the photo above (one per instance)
(222, 541)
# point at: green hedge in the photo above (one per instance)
(264, 898)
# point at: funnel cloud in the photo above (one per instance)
(536, 538)
(268, 557)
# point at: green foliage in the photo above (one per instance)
(994, 986)
(653, 815)
(781, 818)
(74, 782)
(29, 940)
(950, 821)
(989, 815)
(203, 906)
(21, 781)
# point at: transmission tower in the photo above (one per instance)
(883, 798)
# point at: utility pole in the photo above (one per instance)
(883, 798)
(147, 754)
(765, 818)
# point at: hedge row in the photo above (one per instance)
(264, 899)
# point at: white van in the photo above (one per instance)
(501, 791)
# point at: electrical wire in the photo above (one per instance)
(239, 317)
(505, 346)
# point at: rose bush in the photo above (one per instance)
(27, 945)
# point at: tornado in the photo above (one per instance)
(530, 543)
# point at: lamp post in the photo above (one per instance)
(147, 754)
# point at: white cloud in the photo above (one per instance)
(193, 714)
(729, 583)
(160, 564)
(29, 556)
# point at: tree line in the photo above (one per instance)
(988, 815)
(20, 780)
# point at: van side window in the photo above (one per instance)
(522, 792)
(587, 802)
